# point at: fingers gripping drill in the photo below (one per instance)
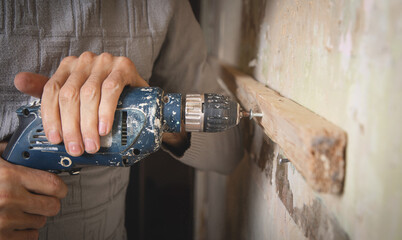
(142, 116)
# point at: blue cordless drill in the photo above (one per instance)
(141, 117)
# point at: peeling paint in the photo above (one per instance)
(314, 219)
(265, 159)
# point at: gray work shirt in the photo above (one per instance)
(164, 41)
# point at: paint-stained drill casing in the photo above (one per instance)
(142, 115)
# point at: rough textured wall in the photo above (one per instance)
(342, 60)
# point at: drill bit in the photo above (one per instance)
(250, 114)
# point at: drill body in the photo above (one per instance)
(141, 117)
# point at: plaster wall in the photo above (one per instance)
(342, 60)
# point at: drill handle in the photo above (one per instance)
(26, 116)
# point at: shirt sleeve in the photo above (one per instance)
(182, 66)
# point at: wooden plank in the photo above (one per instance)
(315, 146)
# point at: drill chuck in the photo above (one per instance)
(210, 113)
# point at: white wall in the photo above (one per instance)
(342, 60)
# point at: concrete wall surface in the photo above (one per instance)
(340, 59)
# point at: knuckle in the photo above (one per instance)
(105, 57)
(51, 87)
(54, 183)
(113, 82)
(68, 93)
(125, 62)
(87, 56)
(67, 60)
(89, 91)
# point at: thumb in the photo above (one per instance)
(30, 83)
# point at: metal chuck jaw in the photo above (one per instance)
(210, 113)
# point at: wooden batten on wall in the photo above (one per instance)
(315, 146)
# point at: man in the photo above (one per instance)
(119, 43)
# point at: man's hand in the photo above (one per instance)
(79, 100)
(27, 197)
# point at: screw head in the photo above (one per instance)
(283, 160)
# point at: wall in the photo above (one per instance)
(343, 61)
